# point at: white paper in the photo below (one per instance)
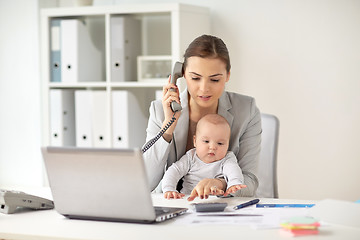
(257, 218)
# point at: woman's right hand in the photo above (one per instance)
(168, 97)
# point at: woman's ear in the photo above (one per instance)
(228, 76)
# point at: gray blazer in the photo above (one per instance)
(245, 141)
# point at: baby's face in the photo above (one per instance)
(212, 142)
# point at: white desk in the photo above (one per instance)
(48, 224)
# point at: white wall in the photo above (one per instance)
(20, 160)
(300, 59)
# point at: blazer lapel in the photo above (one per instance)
(182, 127)
(224, 107)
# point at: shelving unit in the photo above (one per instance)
(166, 29)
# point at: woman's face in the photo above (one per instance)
(205, 78)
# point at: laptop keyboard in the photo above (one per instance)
(163, 213)
(162, 210)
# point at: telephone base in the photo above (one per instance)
(10, 201)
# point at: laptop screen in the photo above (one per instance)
(105, 183)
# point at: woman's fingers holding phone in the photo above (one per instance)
(173, 95)
(170, 88)
(170, 96)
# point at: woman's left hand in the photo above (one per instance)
(206, 187)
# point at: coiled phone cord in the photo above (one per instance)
(159, 135)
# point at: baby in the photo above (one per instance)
(209, 159)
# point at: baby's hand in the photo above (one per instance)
(173, 194)
(234, 188)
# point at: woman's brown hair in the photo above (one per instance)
(207, 46)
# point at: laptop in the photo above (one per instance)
(102, 184)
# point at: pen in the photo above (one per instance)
(291, 205)
(252, 202)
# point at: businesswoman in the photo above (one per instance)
(206, 69)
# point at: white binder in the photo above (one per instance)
(62, 117)
(83, 116)
(55, 54)
(101, 137)
(128, 121)
(80, 59)
(125, 43)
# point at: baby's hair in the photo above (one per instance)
(215, 119)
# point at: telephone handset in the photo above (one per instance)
(175, 107)
(176, 73)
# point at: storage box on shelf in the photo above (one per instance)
(153, 68)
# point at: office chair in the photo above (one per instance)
(267, 174)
